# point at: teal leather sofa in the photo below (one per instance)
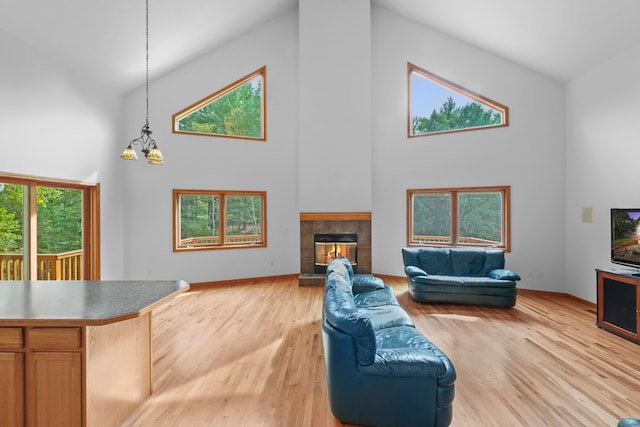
(459, 275)
(381, 371)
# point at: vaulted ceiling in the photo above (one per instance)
(559, 38)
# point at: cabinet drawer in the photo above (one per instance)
(11, 338)
(55, 338)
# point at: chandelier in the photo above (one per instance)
(147, 144)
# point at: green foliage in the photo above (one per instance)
(11, 219)
(199, 216)
(243, 215)
(237, 113)
(480, 216)
(59, 219)
(432, 215)
(451, 117)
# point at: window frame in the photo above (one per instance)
(453, 193)
(480, 99)
(262, 71)
(178, 247)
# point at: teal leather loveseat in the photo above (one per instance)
(381, 371)
(459, 275)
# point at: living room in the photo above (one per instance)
(561, 152)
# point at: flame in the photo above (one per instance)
(334, 252)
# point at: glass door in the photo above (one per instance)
(48, 232)
(59, 228)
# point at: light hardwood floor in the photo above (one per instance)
(249, 353)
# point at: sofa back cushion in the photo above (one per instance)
(341, 312)
(435, 261)
(458, 261)
(494, 260)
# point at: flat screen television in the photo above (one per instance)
(625, 237)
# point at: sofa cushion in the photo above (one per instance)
(386, 316)
(470, 287)
(404, 351)
(494, 260)
(435, 260)
(436, 279)
(384, 296)
(467, 262)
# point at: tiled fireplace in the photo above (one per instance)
(327, 235)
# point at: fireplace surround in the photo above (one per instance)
(341, 225)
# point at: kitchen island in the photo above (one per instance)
(77, 353)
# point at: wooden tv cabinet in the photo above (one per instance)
(76, 354)
(618, 306)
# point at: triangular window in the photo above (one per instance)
(439, 106)
(236, 111)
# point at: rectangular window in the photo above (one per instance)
(214, 219)
(459, 217)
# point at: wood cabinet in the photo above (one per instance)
(12, 380)
(618, 306)
(74, 376)
(76, 353)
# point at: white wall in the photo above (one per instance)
(335, 106)
(204, 162)
(603, 108)
(57, 124)
(529, 155)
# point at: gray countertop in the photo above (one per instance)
(81, 302)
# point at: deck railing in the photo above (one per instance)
(215, 240)
(63, 266)
(446, 240)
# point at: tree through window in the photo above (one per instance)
(437, 106)
(236, 111)
(476, 216)
(214, 219)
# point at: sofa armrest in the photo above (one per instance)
(503, 274)
(412, 271)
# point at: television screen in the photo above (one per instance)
(625, 234)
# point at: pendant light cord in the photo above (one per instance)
(147, 62)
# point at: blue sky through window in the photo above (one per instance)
(427, 96)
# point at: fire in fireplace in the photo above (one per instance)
(331, 246)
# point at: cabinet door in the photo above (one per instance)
(55, 389)
(12, 389)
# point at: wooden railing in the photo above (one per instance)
(63, 266)
(446, 240)
(215, 240)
